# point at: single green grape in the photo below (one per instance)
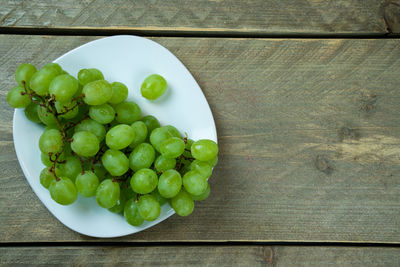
(194, 183)
(51, 141)
(141, 157)
(148, 207)
(201, 167)
(24, 73)
(153, 87)
(127, 112)
(72, 113)
(162, 200)
(31, 112)
(56, 67)
(97, 92)
(140, 130)
(120, 136)
(204, 149)
(107, 194)
(115, 162)
(131, 213)
(182, 203)
(158, 136)
(46, 117)
(151, 123)
(93, 127)
(162, 163)
(87, 183)
(63, 191)
(102, 113)
(45, 159)
(85, 144)
(16, 99)
(172, 147)
(203, 196)
(40, 80)
(169, 183)
(120, 93)
(70, 168)
(63, 88)
(46, 177)
(86, 76)
(173, 131)
(144, 181)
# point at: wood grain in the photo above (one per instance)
(308, 132)
(200, 256)
(207, 16)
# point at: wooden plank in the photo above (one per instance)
(209, 16)
(308, 131)
(201, 256)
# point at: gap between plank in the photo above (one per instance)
(205, 33)
(196, 243)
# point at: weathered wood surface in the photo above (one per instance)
(201, 256)
(253, 17)
(308, 131)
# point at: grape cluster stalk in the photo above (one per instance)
(97, 144)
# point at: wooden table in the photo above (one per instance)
(306, 99)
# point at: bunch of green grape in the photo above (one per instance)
(97, 144)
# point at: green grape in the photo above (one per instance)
(120, 136)
(16, 99)
(144, 181)
(201, 167)
(125, 194)
(160, 199)
(40, 80)
(63, 191)
(169, 183)
(115, 162)
(61, 108)
(151, 123)
(213, 162)
(63, 88)
(86, 76)
(204, 149)
(46, 177)
(202, 196)
(24, 73)
(131, 213)
(93, 127)
(102, 114)
(46, 117)
(97, 92)
(172, 147)
(70, 168)
(153, 87)
(31, 112)
(188, 145)
(120, 93)
(173, 131)
(158, 136)
(45, 159)
(107, 194)
(194, 183)
(56, 67)
(140, 130)
(100, 171)
(85, 144)
(87, 183)
(182, 203)
(148, 207)
(162, 163)
(51, 141)
(141, 157)
(127, 112)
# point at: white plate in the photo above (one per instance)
(127, 59)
